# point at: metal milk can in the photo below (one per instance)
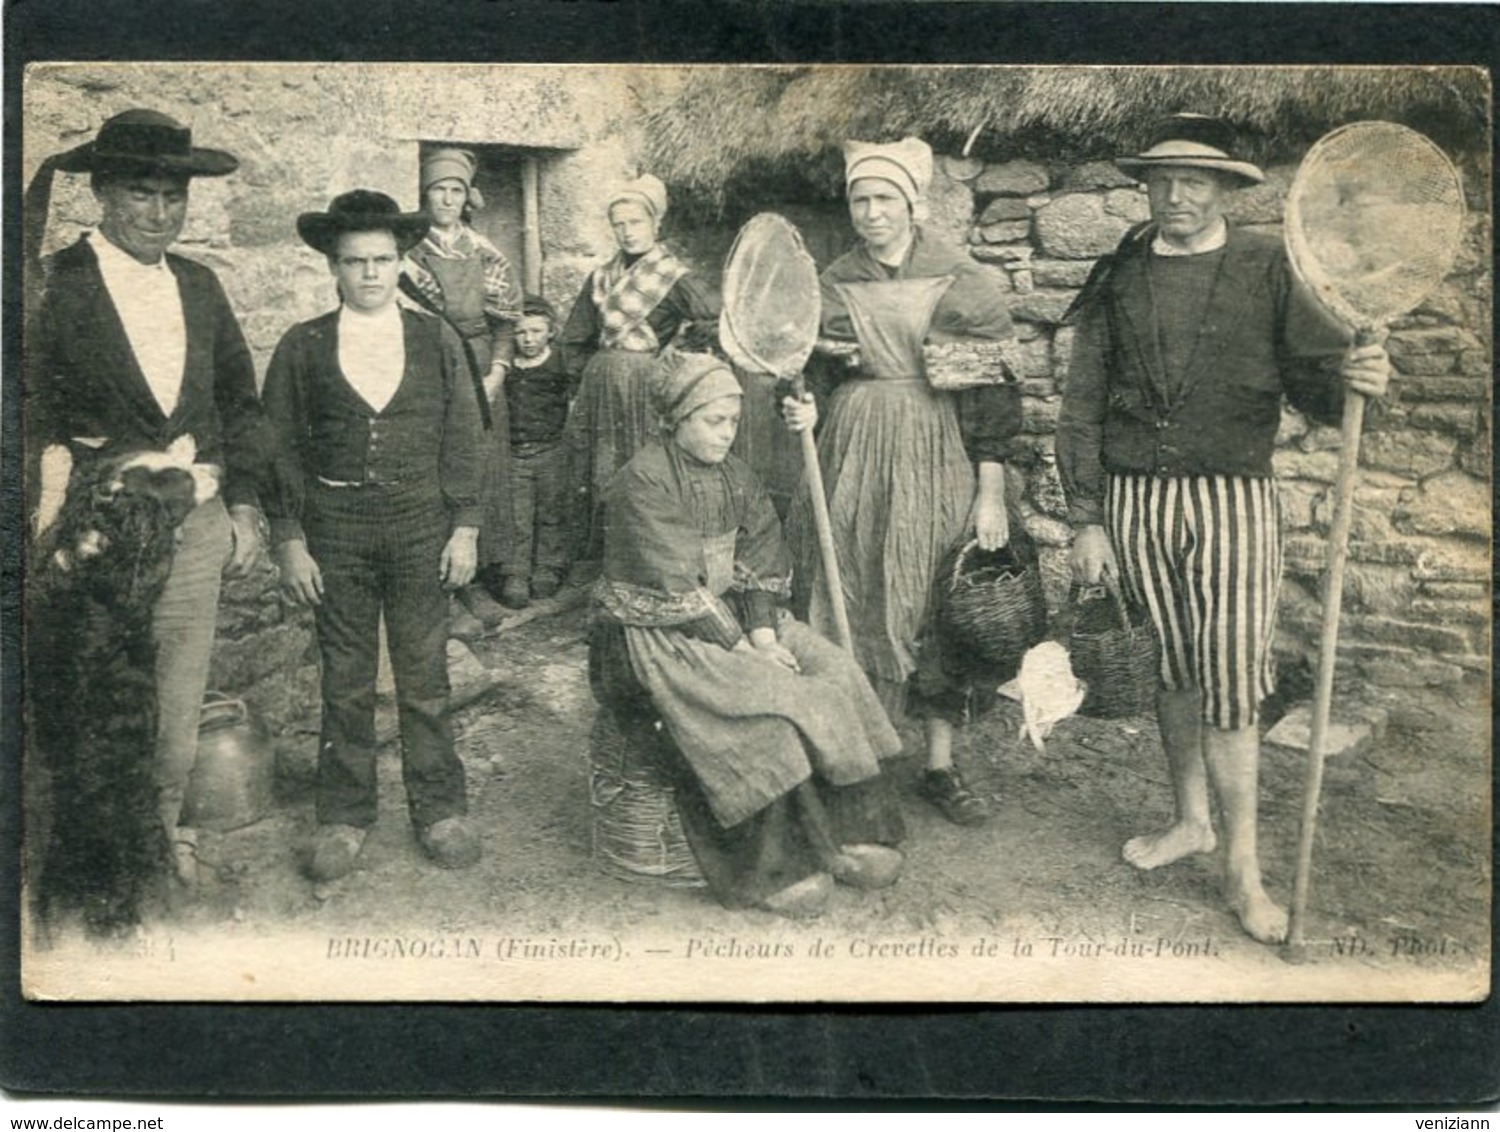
(232, 780)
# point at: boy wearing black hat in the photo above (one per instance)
(376, 509)
(133, 349)
(538, 391)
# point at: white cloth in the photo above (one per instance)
(645, 189)
(150, 308)
(521, 361)
(372, 353)
(907, 164)
(1210, 241)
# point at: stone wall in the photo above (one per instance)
(1417, 595)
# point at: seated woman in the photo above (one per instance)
(776, 734)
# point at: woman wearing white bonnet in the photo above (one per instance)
(459, 274)
(630, 308)
(910, 470)
(907, 164)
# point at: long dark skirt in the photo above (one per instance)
(496, 531)
(788, 840)
(791, 839)
(611, 419)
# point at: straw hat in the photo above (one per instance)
(1194, 140)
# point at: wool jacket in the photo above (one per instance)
(1262, 336)
(538, 398)
(428, 432)
(83, 383)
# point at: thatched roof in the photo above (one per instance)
(721, 124)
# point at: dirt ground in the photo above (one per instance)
(1401, 875)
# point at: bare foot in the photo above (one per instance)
(1261, 917)
(1153, 850)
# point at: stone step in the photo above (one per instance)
(1350, 730)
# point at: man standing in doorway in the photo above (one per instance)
(376, 509)
(1188, 337)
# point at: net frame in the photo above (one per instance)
(742, 312)
(1408, 167)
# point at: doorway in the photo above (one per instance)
(508, 178)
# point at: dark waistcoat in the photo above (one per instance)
(427, 434)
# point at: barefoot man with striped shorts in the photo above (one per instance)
(1187, 338)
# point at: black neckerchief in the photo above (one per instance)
(1104, 267)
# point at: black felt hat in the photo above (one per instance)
(362, 210)
(146, 142)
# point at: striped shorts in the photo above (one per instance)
(1203, 555)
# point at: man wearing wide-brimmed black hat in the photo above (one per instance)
(132, 349)
(376, 509)
(1189, 336)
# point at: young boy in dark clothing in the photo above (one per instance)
(537, 393)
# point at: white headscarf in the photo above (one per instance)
(646, 190)
(907, 164)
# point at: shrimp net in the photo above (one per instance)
(1373, 221)
(769, 322)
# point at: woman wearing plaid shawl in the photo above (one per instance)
(631, 308)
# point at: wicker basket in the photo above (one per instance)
(968, 363)
(637, 834)
(1115, 651)
(994, 603)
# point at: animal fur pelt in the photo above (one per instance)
(95, 578)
